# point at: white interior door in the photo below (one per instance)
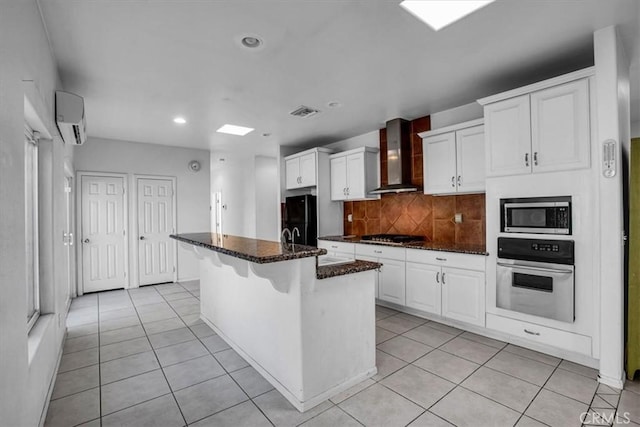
(103, 233)
(156, 255)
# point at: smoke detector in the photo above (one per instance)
(303, 111)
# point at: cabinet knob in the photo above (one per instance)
(86, 240)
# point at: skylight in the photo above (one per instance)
(234, 130)
(439, 13)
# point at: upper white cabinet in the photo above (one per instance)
(544, 128)
(454, 159)
(300, 170)
(354, 173)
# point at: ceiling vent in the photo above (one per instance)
(303, 111)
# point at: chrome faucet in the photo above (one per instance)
(283, 235)
(293, 235)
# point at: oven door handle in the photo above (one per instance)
(527, 267)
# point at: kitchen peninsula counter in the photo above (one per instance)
(309, 330)
(431, 246)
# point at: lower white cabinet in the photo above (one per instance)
(423, 287)
(463, 295)
(343, 249)
(391, 276)
(391, 283)
(435, 284)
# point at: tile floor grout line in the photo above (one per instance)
(223, 368)
(536, 396)
(159, 364)
(212, 354)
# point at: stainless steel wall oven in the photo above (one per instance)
(536, 277)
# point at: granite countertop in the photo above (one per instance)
(431, 246)
(357, 266)
(254, 250)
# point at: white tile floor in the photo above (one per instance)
(144, 358)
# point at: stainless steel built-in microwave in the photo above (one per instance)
(538, 215)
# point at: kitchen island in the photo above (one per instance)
(309, 330)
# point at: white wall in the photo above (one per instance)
(103, 155)
(370, 139)
(249, 187)
(456, 115)
(25, 380)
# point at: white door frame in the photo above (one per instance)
(79, 263)
(71, 241)
(134, 236)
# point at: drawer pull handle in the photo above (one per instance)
(334, 246)
(531, 332)
(378, 252)
(441, 259)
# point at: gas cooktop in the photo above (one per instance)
(391, 239)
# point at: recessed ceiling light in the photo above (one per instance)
(234, 130)
(179, 120)
(251, 42)
(439, 13)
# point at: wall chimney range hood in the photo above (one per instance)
(398, 158)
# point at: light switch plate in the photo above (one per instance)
(458, 218)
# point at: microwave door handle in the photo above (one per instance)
(527, 267)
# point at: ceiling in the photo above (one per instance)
(140, 63)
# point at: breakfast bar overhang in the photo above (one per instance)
(309, 330)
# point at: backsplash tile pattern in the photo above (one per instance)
(420, 214)
(417, 213)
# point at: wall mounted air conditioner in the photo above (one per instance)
(70, 117)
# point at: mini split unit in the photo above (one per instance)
(70, 117)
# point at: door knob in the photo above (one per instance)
(141, 237)
(86, 240)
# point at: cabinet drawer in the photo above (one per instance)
(343, 247)
(380, 251)
(540, 334)
(447, 259)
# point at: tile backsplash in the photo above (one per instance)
(420, 214)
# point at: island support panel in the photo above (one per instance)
(310, 338)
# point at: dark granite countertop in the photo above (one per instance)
(254, 250)
(357, 266)
(431, 246)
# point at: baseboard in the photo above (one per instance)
(612, 382)
(188, 279)
(52, 382)
(498, 335)
(301, 406)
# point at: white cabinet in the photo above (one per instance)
(343, 249)
(423, 287)
(354, 173)
(391, 276)
(300, 170)
(560, 127)
(448, 284)
(463, 295)
(454, 159)
(544, 130)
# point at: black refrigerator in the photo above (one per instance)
(300, 213)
